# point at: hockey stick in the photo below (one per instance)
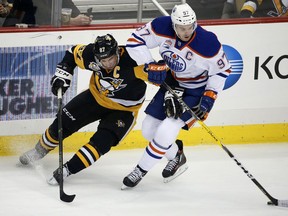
(273, 201)
(63, 196)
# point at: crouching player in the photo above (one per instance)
(116, 93)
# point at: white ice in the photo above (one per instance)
(213, 185)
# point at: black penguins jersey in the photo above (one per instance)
(122, 88)
(264, 8)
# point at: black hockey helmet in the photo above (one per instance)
(105, 46)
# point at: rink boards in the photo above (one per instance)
(252, 109)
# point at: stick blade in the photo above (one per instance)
(280, 203)
(271, 203)
(67, 198)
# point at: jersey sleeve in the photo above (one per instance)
(69, 58)
(139, 43)
(140, 73)
(219, 70)
(70, 4)
(249, 8)
(78, 55)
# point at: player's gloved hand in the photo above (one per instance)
(206, 103)
(173, 108)
(156, 72)
(62, 78)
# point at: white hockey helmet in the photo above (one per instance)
(183, 14)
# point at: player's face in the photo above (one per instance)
(184, 32)
(110, 62)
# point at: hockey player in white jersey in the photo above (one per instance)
(198, 70)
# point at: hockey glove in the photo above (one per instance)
(156, 72)
(173, 108)
(62, 78)
(206, 103)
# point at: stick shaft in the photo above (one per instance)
(63, 196)
(218, 141)
(60, 139)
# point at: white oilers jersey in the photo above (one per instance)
(199, 62)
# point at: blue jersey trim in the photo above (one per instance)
(222, 75)
(162, 26)
(205, 43)
(139, 38)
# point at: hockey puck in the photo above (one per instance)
(270, 203)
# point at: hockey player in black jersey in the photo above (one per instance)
(116, 93)
(265, 8)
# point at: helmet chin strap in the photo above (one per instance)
(118, 56)
(174, 27)
(98, 62)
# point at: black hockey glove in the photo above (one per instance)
(206, 103)
(62, 78)
(173, 108)
(156, 72)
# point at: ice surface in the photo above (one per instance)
(213, 185)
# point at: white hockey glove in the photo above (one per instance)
(173, 108)
(62, 78)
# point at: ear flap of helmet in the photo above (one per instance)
(105, 46)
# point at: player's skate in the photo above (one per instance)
(54, 180)
(176, 166)
(133, 178)
(33, 155)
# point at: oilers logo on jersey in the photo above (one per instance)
(174, 61)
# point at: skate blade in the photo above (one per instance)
(180, 171)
